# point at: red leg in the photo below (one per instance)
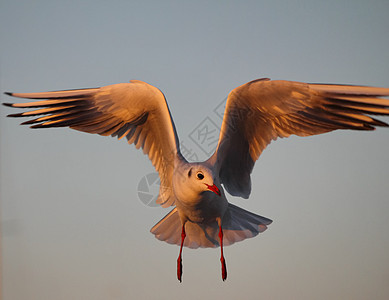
(222, 260)
(179, 260)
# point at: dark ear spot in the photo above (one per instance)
(190, 172)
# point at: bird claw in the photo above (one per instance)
(179, 269)
(224, 268)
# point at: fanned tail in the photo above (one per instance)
(238, 224)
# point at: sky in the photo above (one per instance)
(74, 221)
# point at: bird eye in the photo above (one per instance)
(200, 176)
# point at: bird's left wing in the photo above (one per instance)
(135, 110)
(263, 110)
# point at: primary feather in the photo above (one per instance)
(135, 110)
(263, 110)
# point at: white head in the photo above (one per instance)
(203, 180)
(194, 181)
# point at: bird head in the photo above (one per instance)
(202, 179)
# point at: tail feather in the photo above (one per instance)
(169, 228)
(238, 224)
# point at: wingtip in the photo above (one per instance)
(14, 115)
(8, 104)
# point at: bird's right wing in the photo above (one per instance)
(135, 110)
(263, 110)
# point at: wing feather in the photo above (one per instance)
(135, 110)
(263, 110)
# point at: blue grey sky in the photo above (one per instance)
(73, 226)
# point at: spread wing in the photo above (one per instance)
(262, 110)
(135, 110)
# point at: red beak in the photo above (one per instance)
(214, 189)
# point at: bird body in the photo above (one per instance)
(256, 113)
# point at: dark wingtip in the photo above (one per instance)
(15, 115)
(8, 104)
(8, 93)
(27, 122)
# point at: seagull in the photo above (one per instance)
(256, 113)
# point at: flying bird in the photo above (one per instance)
(256, 113)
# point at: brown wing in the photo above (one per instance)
(262, 110)
(135, 110)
